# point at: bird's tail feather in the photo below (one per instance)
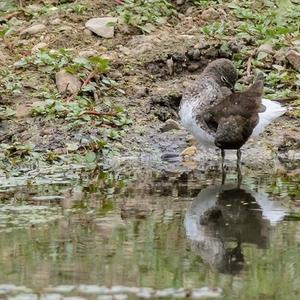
(273, 111)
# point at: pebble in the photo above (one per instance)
(87, 33)
(193, 67)
(56, 21)
(294, 59)
(87, 53)
(280, 55)
(2, 57)
(202, 44)
(235, 47)
(124, 50)
(141, 92)
(102, 26)
(34, 29)
(190, 151)
(170, 124)
(210, 14)
(267, 48)
(196, 54)
(38, 46)
(65, 28)
(293, 155)
(67, 82)
(189, 11)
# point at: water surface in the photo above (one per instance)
(157, 230)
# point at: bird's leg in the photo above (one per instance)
(223, 167)
(238, 165)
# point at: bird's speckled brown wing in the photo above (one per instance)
(235, 117)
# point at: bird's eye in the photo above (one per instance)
(224, 79)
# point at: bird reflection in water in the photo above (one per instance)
(223, 218)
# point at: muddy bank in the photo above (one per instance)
(121, 110)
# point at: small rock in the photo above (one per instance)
(202, 44)
(193, 67)
(210, 14)
(124, 28)
(23, 110)
(189, 152)
(170, 65)
(56, 21)
(196, 54)
(145, 47)
(180, 2)
(65, 28)
(294, 59)
(33, 8)
(87, 53)
(34, 29)
(149, 27)
(212, 53)
(87, 33)
(2, 57)
(102, 26)
(280, 55)
(293, 155)
(267, 48)
(124, 50)
(38, 46)
(189, 11)
(235, 47)
(141, 92)
(170, 125)
(66, 82)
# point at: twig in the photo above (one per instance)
(249, 63)
(100, 114)
(86, 82)
(13, 14)
(288, 99)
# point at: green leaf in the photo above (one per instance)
(90, 157)
(72, 146)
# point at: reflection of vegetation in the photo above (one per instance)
(93, 237)
(285, 186)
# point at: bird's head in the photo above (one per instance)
(223, 71)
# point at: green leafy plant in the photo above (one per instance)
(138, 13)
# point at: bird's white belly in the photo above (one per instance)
(189, 122)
